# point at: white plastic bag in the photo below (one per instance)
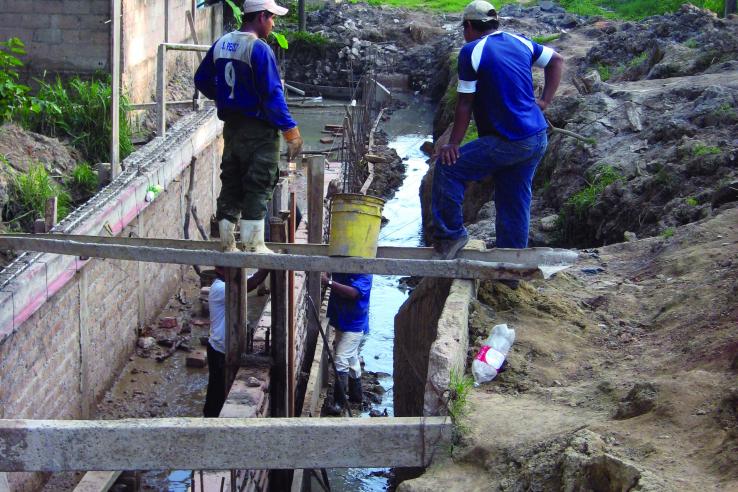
(488, 361)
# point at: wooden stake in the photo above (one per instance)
(291, 375)
(279, 385)
(315, 190)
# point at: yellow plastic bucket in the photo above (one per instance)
(355, 223)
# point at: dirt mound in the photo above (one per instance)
(23, 148)
(622, 375)
(688, 42)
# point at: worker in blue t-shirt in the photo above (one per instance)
(348, 313)
(496, 84)
(240, 73)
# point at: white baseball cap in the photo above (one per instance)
(259, 5)
(480, 10)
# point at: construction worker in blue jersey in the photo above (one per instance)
(496, 85)
(348, 313)
(240, 73)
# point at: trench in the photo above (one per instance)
(407, 129)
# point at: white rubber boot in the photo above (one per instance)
(227, 239)
(252, 236)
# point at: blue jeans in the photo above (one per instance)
(513, 165)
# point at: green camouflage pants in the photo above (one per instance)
(249, 170)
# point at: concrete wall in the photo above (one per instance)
(74, 36)
(431, 343)
(144, 29)
(60, 35)
(67, 325)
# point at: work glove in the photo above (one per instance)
(294, 142)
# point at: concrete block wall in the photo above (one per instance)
(60, 35)
(144, 29)
(67, 326)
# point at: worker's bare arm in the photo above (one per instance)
(552, 78)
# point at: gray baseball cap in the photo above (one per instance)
(480, 10)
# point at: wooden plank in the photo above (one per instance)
(97, 481)
(315, 196)
(528, 256)
(458, 268)
(291, 373)
(235, 333)
(198, 443)
(279, 386)
(115, 36)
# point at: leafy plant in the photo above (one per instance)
(460, 386)
(237, 13)
(471, 133)
(281, 40)
(84, 179)
(32, 190)
(80, 111)
(13, 95)
(691, 201)
(634, 9)
(668, 233)
(702, 149)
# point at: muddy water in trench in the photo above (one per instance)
(407, 129)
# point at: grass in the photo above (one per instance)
(546, 39)
(305, 37)
(585, 198)
(31, 191)
(83, 179)
(691, 201)
(471, 133)
(634, 9)
(702, 149)
(668, 232)
(604, 72)
(458, 405)
(450, 6)
(638, 60)
(692, 43)
(80, 111)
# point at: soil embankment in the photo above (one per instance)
(622, 376)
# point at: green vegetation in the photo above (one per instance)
(692, 43)
(604, 72)
(691, 201)
(702, 149)
(79, 110)
(634, 9)
(585, 198)
(83, 179)
(237, 13)
(638, 60)
(31, 191)
(307, 38)
(13, 95)
(546, 39)
(460, 386)
(668, 233)
(453, 6)
(471, 133)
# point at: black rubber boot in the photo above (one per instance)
(354, 390)
(339, 394)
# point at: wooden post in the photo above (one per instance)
(730, 7)
(315, 192)
(115, 87)
(235, 326)
(291, 374)
(51, 212)
(301, 15)
(161, 90)
(278, 285)
(166, 21)
(279, 383)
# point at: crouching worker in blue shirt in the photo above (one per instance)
(240, 73)
(348, 313)
(496, 84)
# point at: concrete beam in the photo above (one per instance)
(197, 443)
